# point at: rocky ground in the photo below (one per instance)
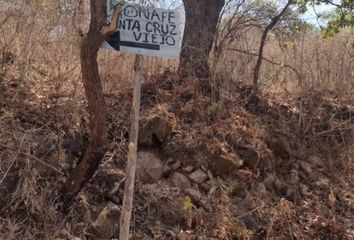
(242, 165)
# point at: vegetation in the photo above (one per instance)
(250, 135)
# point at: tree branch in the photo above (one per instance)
(267, 60)
(273, 22)
(108, 29)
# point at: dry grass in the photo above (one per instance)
(44, 106)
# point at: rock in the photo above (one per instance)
(194, 194)
(275, 185)
(226, 163)
(206, 186)
(240, 189)
(198, 176)
(149, 166)
(304, 166)
(280, 186)
(176, 166)
(182, 236)
(261, 190)
(315, 160)
(280, 147)
(292, 194)
(269, 182)
(106, 225)
(323, 184)
(244, 175)
(181, 181)
(188, 169)
(249, 156)
(294, 176)
(198, 199)
(154, 132)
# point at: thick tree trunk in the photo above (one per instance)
(96, 149)
(201, 20)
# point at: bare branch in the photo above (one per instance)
(267, 60)
(108, 29)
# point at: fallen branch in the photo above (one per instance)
(13, 160)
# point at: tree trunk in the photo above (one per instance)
(268, 28)
(97, 125)
(96, 149)
(201, 20)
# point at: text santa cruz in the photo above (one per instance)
(152, 26)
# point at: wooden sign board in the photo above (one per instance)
(146, 31)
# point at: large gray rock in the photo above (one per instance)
(181, 181)
(198, 176)
(154, 132)
(106, 225)
(149, 166)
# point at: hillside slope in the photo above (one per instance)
(242, 165)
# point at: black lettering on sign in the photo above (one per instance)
(129, 21)
(155, 16)
(154, 38)
(130, 11)
(149, 27)
(164, 16)
(159, 28)
(163, 40)
(121, 24)
(136, 26)
(146, 37)
(173, 30)
(165, 29)
(137, 36)
(156, 27)
(170, 41)
(129, 24)
(171, 17)
(145, 12)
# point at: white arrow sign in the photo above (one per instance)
(146, 30)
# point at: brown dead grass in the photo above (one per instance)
(43, 130)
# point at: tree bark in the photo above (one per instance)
(201, 20)
(96, 149)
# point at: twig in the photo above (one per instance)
(111, 195)
(108, 29)
(117, 187)
(47, 165)
(13, 160)
(267, 60)
(334, 129)
(250, 212)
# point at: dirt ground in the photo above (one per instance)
(237, 165)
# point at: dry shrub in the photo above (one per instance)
(40, 67)
(304, 61)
